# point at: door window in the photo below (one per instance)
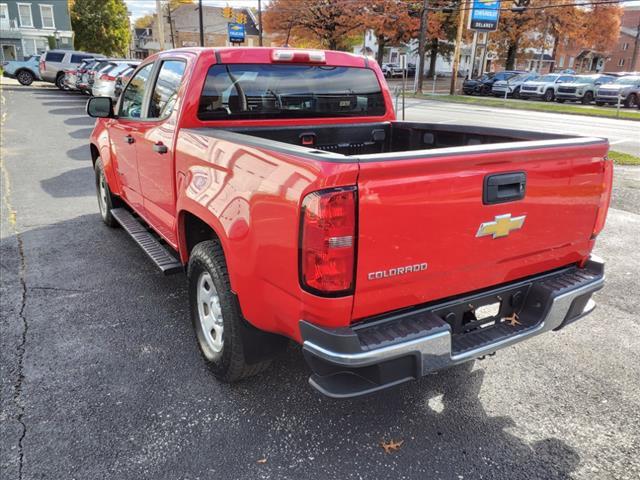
(165, 91)
(133, 96)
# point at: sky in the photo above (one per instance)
(140, 8)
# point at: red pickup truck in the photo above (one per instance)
(300, 208)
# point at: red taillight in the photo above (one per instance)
(605, 197)
(327, 241)
(104, 76)
(43, 65)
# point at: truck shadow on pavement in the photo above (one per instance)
(114, 382)
(81, 178)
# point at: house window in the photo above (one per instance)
(561, 61)
(621, 62)
(29, 47)
(625, 46)
(46, 13)
(24, 11)
(4, 16)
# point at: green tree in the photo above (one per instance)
(101, 26)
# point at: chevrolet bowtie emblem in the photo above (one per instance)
(501, 226)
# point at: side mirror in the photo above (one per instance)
(100, 107)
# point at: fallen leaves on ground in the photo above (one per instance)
(262, 460)
(391, 445)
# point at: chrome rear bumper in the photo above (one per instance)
(376, 354)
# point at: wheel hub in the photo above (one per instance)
(210, 314)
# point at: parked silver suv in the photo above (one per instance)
(55, 62)
(582, 89)
(625, 90)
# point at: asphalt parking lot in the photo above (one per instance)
(101, 377)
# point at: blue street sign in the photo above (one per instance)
(484, 15)
(236, 32)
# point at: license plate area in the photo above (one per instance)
(483, 311)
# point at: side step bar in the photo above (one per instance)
(163, 259)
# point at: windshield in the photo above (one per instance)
(628, 80)
(548, 78)
(289, 91)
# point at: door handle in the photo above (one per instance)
(160, 147)
(129, 139)
(504, 187)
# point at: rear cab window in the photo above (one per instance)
(237, 91)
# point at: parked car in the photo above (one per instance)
(86, 82)
(544, 87)
(55, 62)
(392, 70)
(582, 88)
(105, 80)
(82, 77)
(483, 85)
(624, 89)
(295, 202)
(73, 75)
(512, 86)
(24, 71)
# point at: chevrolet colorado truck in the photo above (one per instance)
(300, 208)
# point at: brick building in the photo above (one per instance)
(625, 56)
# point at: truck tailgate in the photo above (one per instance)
(420, 217)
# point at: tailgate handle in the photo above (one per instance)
(504, 187)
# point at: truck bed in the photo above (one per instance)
(381, 138)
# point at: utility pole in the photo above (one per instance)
(260, 22)
(456, 52)
(173, 40)
(200, 19)
(160, 20)
(422, 39)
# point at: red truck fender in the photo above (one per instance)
(101, 147)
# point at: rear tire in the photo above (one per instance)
(631, 101)
(216, 316)
(25, 77)
(60, 82)
(105, 199)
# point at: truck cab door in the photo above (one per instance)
(156, 162)
(126, 132)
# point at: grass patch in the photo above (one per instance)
(572, 109)
(620, 158)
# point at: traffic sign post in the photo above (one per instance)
(236, 32)
(484, 15)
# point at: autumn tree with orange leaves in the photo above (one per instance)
(391, 21)
(324, 23)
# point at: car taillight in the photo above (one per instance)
(605, 197)
(327, 241)
(104, 76)
(43, 65)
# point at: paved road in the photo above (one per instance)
(624, 135)
(100, 377)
